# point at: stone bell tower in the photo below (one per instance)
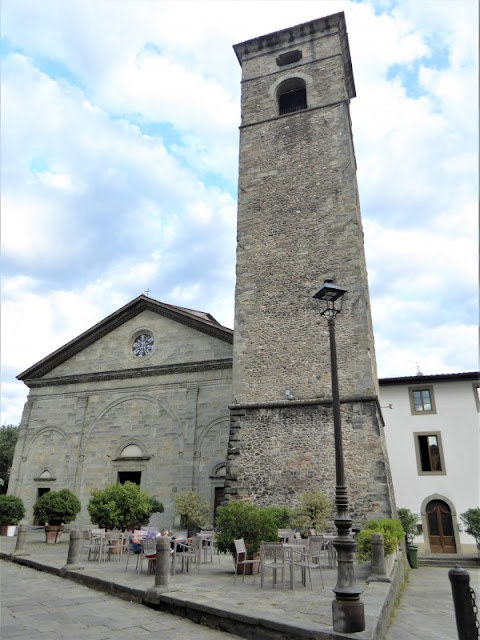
(298, 223)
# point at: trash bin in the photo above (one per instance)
(412, 555)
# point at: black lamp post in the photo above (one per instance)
(347, 609)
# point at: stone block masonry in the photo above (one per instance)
(280, 452)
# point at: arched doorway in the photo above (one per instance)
(440, 527)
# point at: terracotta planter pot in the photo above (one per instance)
(53, 533)
(8, 529)
(250, 568)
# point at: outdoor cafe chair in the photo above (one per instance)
(206, 543)
(113, 543)
(189, 551)
(88, 547)
(324, 547)
(241, 557)
(148, 553)
(133, 547)
(272, 556)
(308, 560)
(92, 543)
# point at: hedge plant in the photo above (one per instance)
(245, 520)
(393, 535)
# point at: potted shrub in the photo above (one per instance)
(193, 511)
(471, 520)
(56, 508)
(120, 506)
(408, 521)
(12, 510)
(312, 513)
(248, 521)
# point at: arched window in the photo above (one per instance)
(292, 96)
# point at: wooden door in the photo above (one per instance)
(440, 528)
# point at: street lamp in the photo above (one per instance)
(347, 609)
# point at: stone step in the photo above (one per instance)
(449, 561)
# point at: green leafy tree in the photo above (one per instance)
(313, 511)
(192, 509)
(120, 506)
(471, 520)
(8, 440)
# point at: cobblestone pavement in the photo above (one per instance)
(39, 605)
(426, 608)
(424, 613)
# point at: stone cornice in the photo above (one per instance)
(438, 377)
(102, 376)
(299, 34)
(311, 402)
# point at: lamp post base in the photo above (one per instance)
(348, 616)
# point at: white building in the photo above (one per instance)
(432, 435)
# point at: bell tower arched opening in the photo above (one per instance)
(291, 96)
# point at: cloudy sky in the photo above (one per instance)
(119, 167)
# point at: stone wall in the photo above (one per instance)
(281, 452)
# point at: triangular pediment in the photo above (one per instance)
(179, 335)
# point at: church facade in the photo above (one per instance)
(167, 397)
(141, 396)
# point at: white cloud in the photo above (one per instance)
(120, 151)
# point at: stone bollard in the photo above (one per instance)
(162, 565)
(20, 544)
(74, 551)
(162, 570)
(378, 554)
(465, 607)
